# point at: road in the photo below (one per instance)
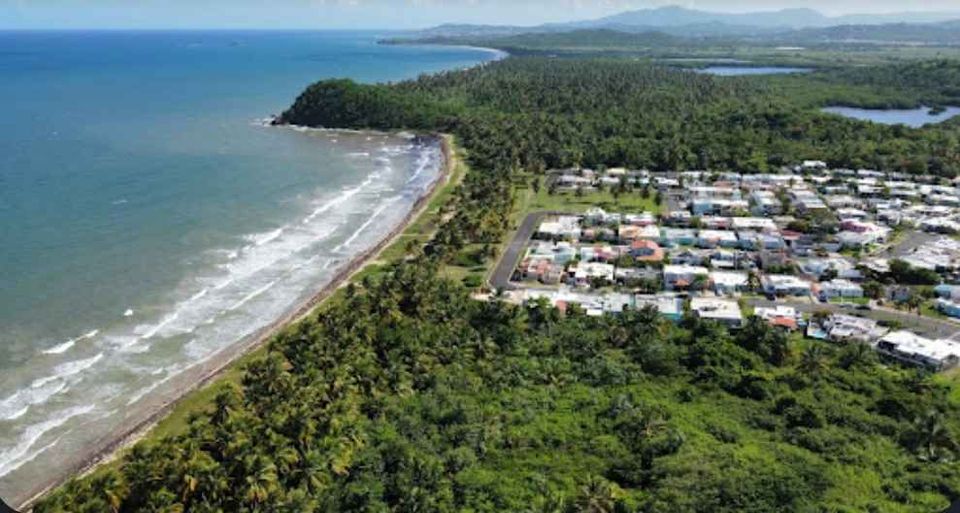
(926, 326)
(907, 244)
(500, 279)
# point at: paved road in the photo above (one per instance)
(927, 326)
(910, 242)
(500, 279)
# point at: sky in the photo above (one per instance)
(379, 14)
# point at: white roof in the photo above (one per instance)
(911, 343)
(714, 308)
(674, 269)
(729, 279)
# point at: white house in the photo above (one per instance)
(724, 311)
(785, 285)
(728, 283)
(839, 288)
(911, 348)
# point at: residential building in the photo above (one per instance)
(723, 311)
(682, 276)
(911, 348)
(785, 285)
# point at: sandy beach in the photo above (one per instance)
(144, 415)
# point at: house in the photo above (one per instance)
(629, 232)
(723, 311)
(949, 307)
(843, 328)
(947, 291)
(839, 288)
(713, 206)
(688, 256)
(913, 349)
(599, 253)
(756, 224)
(642, 219)
(714, 238)
(631, 276)
(813, 165)
(727, 259)
(765, 203)
(837, 266)
(728, 283)
(597, 216)
(780, 316)
(682, 276)
(542, 270)
(585, 274)
(678, 237)
(785, 285)
(562, 228)
(670, 307)
(646, 251)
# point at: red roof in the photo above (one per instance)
(784, 322)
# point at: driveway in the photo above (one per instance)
(500, 279)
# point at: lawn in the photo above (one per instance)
(850, 300)
(627, 203)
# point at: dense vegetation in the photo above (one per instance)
(409, 396)
(540, 113)
(406, 395)
(831, 47)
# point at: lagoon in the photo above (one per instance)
(735, 71)
(914, 118)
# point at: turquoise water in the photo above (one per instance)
(149, 220)
(915, 118)
(736, 71)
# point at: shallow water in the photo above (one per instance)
(149, 220)
(736, 71)
(915, 118)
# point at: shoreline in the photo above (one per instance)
(130, 431)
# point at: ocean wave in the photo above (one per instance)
(65, 370)
(170, 373)
(19, 403)
(373, 217)
(14, 457)
(153, 330)
(259, 239)
(64, 347)
(251, 296)
(423, 163)
(345, 195)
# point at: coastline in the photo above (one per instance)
(131, 430)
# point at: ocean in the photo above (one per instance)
(149, 218)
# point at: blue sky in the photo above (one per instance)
(339, 14)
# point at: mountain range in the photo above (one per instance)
(685, 22)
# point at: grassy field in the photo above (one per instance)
(628, 203)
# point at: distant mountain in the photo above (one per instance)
(675, 16)
(943, 33)
(680, 21)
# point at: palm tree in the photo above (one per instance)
(814, 361)
(931, 439)
(596, 496)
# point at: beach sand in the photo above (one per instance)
(145, 415)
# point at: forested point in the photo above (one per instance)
(537, 113)
(406, 395)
